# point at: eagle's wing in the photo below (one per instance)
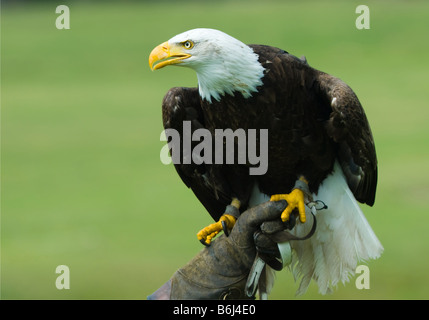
(183, 104)
(349, 127)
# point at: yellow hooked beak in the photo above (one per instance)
(164, 55)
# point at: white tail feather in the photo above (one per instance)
(342, 239)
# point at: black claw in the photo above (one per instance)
(225, 228)
(205, 243)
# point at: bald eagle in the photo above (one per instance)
(318, 135)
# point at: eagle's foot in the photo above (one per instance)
(225, 223)
(295, 199)
(206, 235)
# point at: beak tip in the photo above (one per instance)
(152, 64)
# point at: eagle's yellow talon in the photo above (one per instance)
(229, 220)
(208, 233)
(295, 199)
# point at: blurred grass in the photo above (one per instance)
(82, 183)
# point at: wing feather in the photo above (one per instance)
(349, 127)
(183, 104)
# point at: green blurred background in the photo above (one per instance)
(82, 182)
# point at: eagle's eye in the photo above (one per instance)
(188, 44)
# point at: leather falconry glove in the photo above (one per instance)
(221, 271)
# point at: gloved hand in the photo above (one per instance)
(221, 270)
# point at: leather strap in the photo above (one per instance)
(283, 236)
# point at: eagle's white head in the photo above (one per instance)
(223, 64)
